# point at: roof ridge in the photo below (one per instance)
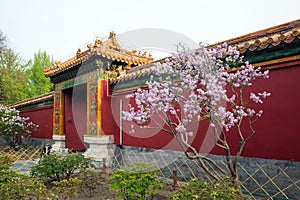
(109, 48)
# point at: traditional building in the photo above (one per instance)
(74, 114)
(83, 112)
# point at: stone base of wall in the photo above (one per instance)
(37, 142)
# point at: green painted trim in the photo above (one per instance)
(271, 54)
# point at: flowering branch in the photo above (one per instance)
(192, 86)
(13, 126)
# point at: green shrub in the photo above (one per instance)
(56, 167)
(14, 185)
(5, 162)
(90, 182)
(197, 189)
(139, 181)
(66, 188)
(22, 186)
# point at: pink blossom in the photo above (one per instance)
(259, 113)
(255, 98)
(264, 94)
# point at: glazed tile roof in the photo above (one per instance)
(34, 100)
(109, 49)
(266, 38)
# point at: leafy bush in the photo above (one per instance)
(90, 182)
(56, 167)
(197, 189)
(139, 181)
(5, 162)
(66, 188)
(22, 186)
(14, 185)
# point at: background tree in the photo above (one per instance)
(38, 83)
(20, 79)
(13, 76)
(202, 85)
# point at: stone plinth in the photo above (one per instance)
(100, 149)
(59, 143)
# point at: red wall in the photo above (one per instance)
(42, 116)
(277, 131)
(108, 124)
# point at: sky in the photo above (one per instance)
(60, 27)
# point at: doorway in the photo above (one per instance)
(75, 117)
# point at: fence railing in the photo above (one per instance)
(24, 158)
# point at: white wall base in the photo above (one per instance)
(100, 149)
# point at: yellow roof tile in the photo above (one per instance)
(284, 33)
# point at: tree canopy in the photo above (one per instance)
(13, 77)
(20, 79)
(38, 83)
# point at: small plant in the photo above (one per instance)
(5, 162)
(197, 189)
(14, 185)
(66, 189)
(56, 167)
(22, 186)
(139, 181)
(90, 182)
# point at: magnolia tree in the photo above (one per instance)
(205, 84)
(13, 126)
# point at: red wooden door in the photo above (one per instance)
(75, 121)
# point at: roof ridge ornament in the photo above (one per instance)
(112, 35)
(97, 43)
(78, 52)
(90, 46)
